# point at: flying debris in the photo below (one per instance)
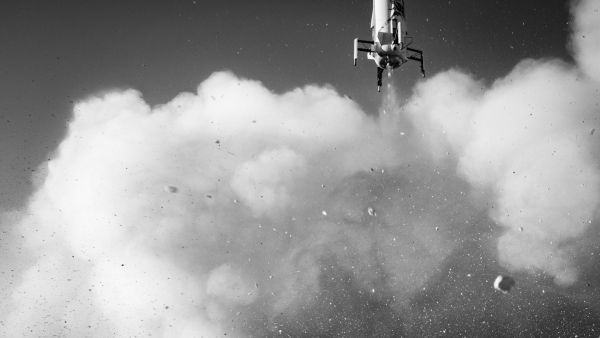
(371, 212)
(504, 284)
(390, 45)
(171, 189)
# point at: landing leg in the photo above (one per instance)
(422, 67)
(355, 51)
(418, 56)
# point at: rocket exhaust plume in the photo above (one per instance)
(235, 210)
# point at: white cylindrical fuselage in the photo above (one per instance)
(381, 16)
(381, 23)
(388, 18)
(388, 26)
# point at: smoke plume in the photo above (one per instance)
(527, 139)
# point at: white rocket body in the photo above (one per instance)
(389, 48)
(388, 26)
(383, 23)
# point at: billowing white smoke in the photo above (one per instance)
(586, 35)
(221, 211)
(529, 139)
(237, 210)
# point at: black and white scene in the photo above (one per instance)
(334, 168)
